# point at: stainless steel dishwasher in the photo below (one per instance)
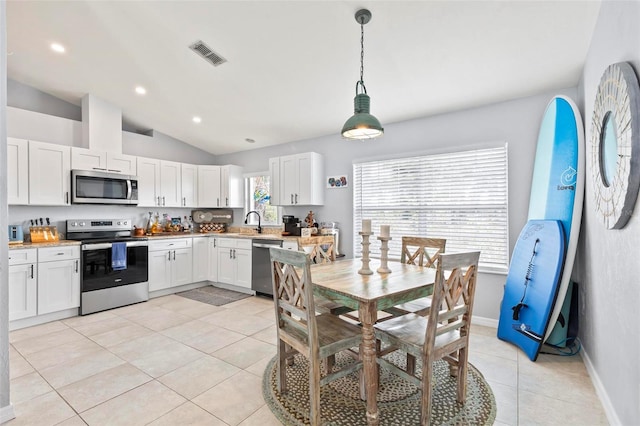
(260, 265)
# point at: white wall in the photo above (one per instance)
(6, 410)
(515, 122)
(608, 259)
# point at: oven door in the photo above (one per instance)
(97, 271)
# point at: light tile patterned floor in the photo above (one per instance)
(174, 361)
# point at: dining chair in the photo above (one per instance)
(423, 252)
(301, 330)
(321, 249)
(444, 334)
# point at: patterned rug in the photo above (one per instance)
(213, 295)
(398, 400)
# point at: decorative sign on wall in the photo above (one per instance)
(615, 145)
(337, 181)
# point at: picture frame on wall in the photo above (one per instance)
(339, 181)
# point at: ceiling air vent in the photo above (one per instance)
(209, 55)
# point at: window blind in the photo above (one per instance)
(460, 196)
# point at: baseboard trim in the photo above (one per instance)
(609, 411)
(6, 413)
(487, 322)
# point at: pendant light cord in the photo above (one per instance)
(361, 82)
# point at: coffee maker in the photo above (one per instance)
(291, 225)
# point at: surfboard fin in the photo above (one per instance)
(516, 310)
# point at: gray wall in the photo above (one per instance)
(26, 97)
(515, 122)
(5, 403)
(608, 259)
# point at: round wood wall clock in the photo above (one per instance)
(615, 145)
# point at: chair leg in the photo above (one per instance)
(314, 391)
(281, 373)
(463, 355)
(329, 362)
(290, 360)
(427, 379)
(411, 364)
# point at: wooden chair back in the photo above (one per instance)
(453, 292)
(320, 249)
(422, 251)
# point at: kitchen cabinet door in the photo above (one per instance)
(122, 163)
(148, 182)
(181, 267)
(58, 285)
(213, 260)
(49, 174)
(288, 180)
(302, 179)
(243, 268)
(231, 186)
(170, 184)
(189, 185)
(274, 181)
(159, 270)
(88, 159)
(226, 266)
(200, 259)
(23, 283)
(17, 171)
(209, 179)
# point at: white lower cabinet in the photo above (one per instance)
(212, 261)
(234, 262)
(200, 259)
(170, 263)
(58, 278)
(23, 282)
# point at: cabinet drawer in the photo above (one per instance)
(48, 254)
(20, 257)
(240, 243)
(290, 245)
(170, 244)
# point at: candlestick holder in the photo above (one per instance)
(384, 255)
(365, 254)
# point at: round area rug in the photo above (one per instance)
(398, 400)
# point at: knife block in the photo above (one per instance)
(44, 234)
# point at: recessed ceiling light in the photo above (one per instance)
(249, 140)
(141, 90)
(56, 47)
(197, 119)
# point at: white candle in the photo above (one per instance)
(384, 230)
(366, 226)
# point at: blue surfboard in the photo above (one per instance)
(557, 187)
(532, 285)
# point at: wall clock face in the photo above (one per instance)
(615, 145)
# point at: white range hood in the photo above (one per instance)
(101, 125)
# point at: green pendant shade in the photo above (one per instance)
(362, 125)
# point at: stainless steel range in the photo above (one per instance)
(115, 265)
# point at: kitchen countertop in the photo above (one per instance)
(48, 244)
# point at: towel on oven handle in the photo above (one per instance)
(119, 256)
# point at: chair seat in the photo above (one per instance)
(407, 332)
(334, 334)
(419, 306)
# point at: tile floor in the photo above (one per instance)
(175, 361)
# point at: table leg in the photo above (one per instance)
(368, 315)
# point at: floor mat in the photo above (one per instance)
(213, 295)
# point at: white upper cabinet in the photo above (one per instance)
(299, 179)
(17, 171)
(170, 184)
(274, 181)
(220, 186)
(189, 179)
(148, 182)
(49, 174)
(89, 159)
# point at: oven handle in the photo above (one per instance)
(102, 246)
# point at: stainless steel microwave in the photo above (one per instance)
(91, 187)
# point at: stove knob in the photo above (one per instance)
(119, 223)
(82, 223)
(125, 223)
(74, 224)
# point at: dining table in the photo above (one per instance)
(340, 282)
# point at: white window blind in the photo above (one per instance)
(460, 196)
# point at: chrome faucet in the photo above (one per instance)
(259, 228)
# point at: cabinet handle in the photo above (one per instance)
(218, 201)
(114, 170)
(296, 198)
(158, 200)
(230, 254)
(227, 201)
(163, 201)
(184, 201)
(169, 255)
(234, 253)
(59, 254)
(291, 198)
(66, 197)
(76, 268)
(174, 255)
(99, 168)
(32, 271)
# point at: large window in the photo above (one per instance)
(258, 198)
(460, 196)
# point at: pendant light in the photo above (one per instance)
(362, 125)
